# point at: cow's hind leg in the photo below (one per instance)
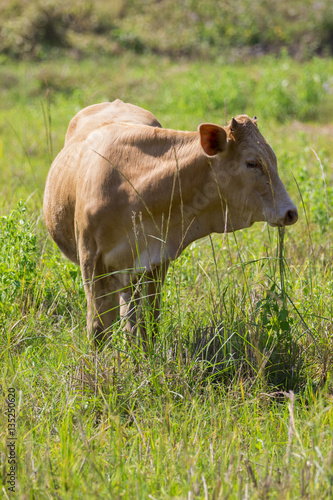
(102, 293)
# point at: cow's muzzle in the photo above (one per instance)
(290, 217)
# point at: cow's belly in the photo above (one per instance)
(132, 259)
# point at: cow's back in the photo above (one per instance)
(106, 113)
(66, 170)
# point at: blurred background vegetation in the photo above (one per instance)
(210, 29)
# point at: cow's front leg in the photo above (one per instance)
(140, 303)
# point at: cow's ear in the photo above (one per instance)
(213, 138)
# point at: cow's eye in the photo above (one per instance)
(252, 164)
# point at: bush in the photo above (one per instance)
(18, 258)
(189, 28)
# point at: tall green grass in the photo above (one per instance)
(235, 398)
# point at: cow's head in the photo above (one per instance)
(244, 167)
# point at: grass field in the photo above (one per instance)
(235, 401)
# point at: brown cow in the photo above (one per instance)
(124, 197)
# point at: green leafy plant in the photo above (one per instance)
(18, 258)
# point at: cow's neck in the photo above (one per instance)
(194, 209)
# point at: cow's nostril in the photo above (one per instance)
(290, 217)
